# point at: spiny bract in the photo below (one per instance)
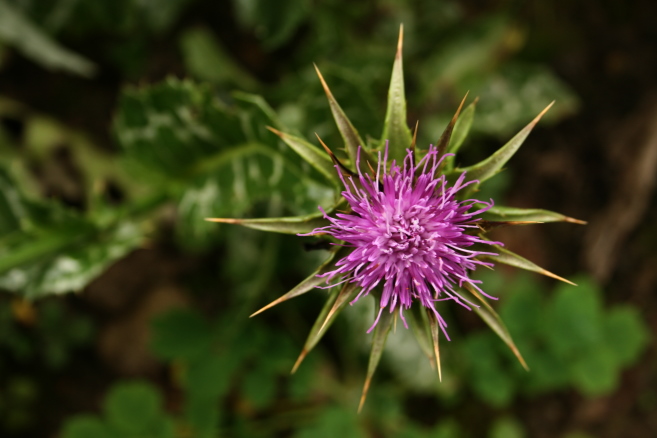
(412, 235)
(409, 233)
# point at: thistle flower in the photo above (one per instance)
(412, 234)
(409, 233)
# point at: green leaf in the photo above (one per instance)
(523, 311)
(472, 52)
(259, 386)
(169, 128)
(239, 178)
(494, 387)
(205, 59)
(575, 319)
(518, 89)
(133, 407)
(23, 248)
(481, 351)
(219, 161)
(85, 426)
(549, 372)
(12, 208)
(499, 213)
(209, 377)
(395, 128)
(489, 378)
(267, 113)
(479, 58)
(18, 31)
(333, 421)
(410, 430)
(161, 16)
(378, 343)
(65, 258)
(626, 334)
(273, 23)
(506, 427)
(594, 373)
(46, 249)
(493, 164)
(202, 416)
(181, 334)
(31, 231)
(448, 428)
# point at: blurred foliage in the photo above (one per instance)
(207, 150)
(217, 161)
(71, 205)
(18, 403)
(185, 146)
(17, 30)
(131, 409)
(50, 249)
(229, 388)
(506, 428)
(211, 364)
(568, 340)
(235, 388)
(46, 334)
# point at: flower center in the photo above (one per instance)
(404, 237)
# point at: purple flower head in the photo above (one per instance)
(409, 234)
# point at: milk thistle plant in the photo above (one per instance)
(408, 229)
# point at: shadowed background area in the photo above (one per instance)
(123, 124)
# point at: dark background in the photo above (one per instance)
(594, 159)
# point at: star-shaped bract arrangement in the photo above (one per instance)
(407, 229)
(409, 234)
